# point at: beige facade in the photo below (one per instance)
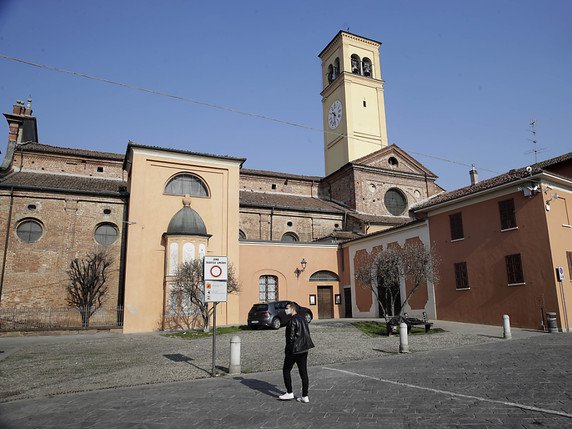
(150, 211)
(352, 100)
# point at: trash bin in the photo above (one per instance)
(552, 324)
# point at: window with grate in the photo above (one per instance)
(514, 269)
(456, 222)
(186, 184)
(461, 276)
(267, 288)
(29, 230)
(106, 234)
(507, 214)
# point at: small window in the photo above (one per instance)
(393, 161)
(186, 184)
(507, 214)
(29, 230)
(456, 223)
(241, 235)
(106, 211)
(274, 186)
(289, 223)
(290, 237)
(32, 207)
(364, 103)
(395, 202)
(324, 276)
(514, 269)
(330, 73)
(106, 234)
(461, 276)
(100, 169)
(267, 288)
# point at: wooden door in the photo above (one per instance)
(325, 302)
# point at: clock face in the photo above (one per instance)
(335, 114)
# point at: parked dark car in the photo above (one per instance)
(273, 314)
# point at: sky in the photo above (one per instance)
(463, 79)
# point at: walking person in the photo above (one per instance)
(298, 342)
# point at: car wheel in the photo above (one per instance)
(276, 323)
(308, 317)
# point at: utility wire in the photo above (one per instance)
(211, 105)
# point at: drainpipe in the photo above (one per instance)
(271, 221)
(6, 240)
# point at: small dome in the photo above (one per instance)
(187, 222)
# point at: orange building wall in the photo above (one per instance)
(484, 248)
(283, 258)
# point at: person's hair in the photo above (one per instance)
(295, 306)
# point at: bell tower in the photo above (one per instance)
(352, 100)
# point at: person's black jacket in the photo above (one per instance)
(298, 336)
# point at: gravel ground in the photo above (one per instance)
(42, 366)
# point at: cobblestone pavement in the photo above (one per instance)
(523, 382)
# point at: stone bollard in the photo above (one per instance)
(403, 342)
(506, 327)
(234, 367)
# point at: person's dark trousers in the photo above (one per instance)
(301, 360)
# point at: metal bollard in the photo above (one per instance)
(403, 342)
(506, 327)
(234, 367)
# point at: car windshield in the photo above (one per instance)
(260, 307)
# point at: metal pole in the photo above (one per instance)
(214, 340)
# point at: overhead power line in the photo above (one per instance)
(210, 105)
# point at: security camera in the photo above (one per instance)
(529, 169)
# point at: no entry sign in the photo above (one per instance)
(215, 268)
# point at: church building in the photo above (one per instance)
(154, 208)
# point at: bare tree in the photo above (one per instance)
(186, 299)
(87, 286)
(382, 273)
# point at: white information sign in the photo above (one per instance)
(215, 291)
(215, 268)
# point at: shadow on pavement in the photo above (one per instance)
(177, 357)
(261, 386)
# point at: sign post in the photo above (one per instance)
(215, 277)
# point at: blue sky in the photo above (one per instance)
(463, 78)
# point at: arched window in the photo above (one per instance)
(267, 288)
(106, 234)
(188, 252)
(366, 65)
(173, 258)
(290, 237)
(330, 73)
(395, 201)
(356, 64)
(241, 235)
(336, 67)
(186, 184)
(29, 230)
(324, 276)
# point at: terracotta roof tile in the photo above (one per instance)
(44, 148)
(288, 202)
(63, 183)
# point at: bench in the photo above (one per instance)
(393, 323)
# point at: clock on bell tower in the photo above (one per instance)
(352, 100)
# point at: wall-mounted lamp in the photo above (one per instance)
(299, 271)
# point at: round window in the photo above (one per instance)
(395, 202)
(106, 234)
(29, 230)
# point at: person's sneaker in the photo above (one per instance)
(286, 397)
(303, 399)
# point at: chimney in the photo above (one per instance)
(21, 124)
(474, 175)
